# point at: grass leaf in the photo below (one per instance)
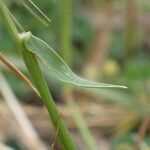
(33, 9)
(55, 63)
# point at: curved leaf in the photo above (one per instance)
(55, 63)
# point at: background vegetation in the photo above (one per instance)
(107, 41)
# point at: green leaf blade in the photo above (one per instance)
(55, 63)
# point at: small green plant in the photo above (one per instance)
(32, 48)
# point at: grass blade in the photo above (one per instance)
(35, 11)
(55, 63)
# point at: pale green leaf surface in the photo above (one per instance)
(55, 63)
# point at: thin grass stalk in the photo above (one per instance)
(31, 138)
(79, 120)
(65, 30)
(39, 81)
(34, 10)
(131, 29)
(66, 47)
(42, 87)
(18, 73)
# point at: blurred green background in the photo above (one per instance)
(107, 41)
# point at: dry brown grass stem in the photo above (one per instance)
(18, 73)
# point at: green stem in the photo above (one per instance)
(41, 85)
(80, 121)
(65, 30)
(39, 81)
(9, 23)
(131, 31)
(66, 47)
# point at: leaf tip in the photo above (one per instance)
(121, 86)
(124, 87)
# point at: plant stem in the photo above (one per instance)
(66, 47)
(79, 120)
(131, 28)
(18, 73)
(27, 132)
(9, 23)
(41, 85)
(39, 81)
(65, 30)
